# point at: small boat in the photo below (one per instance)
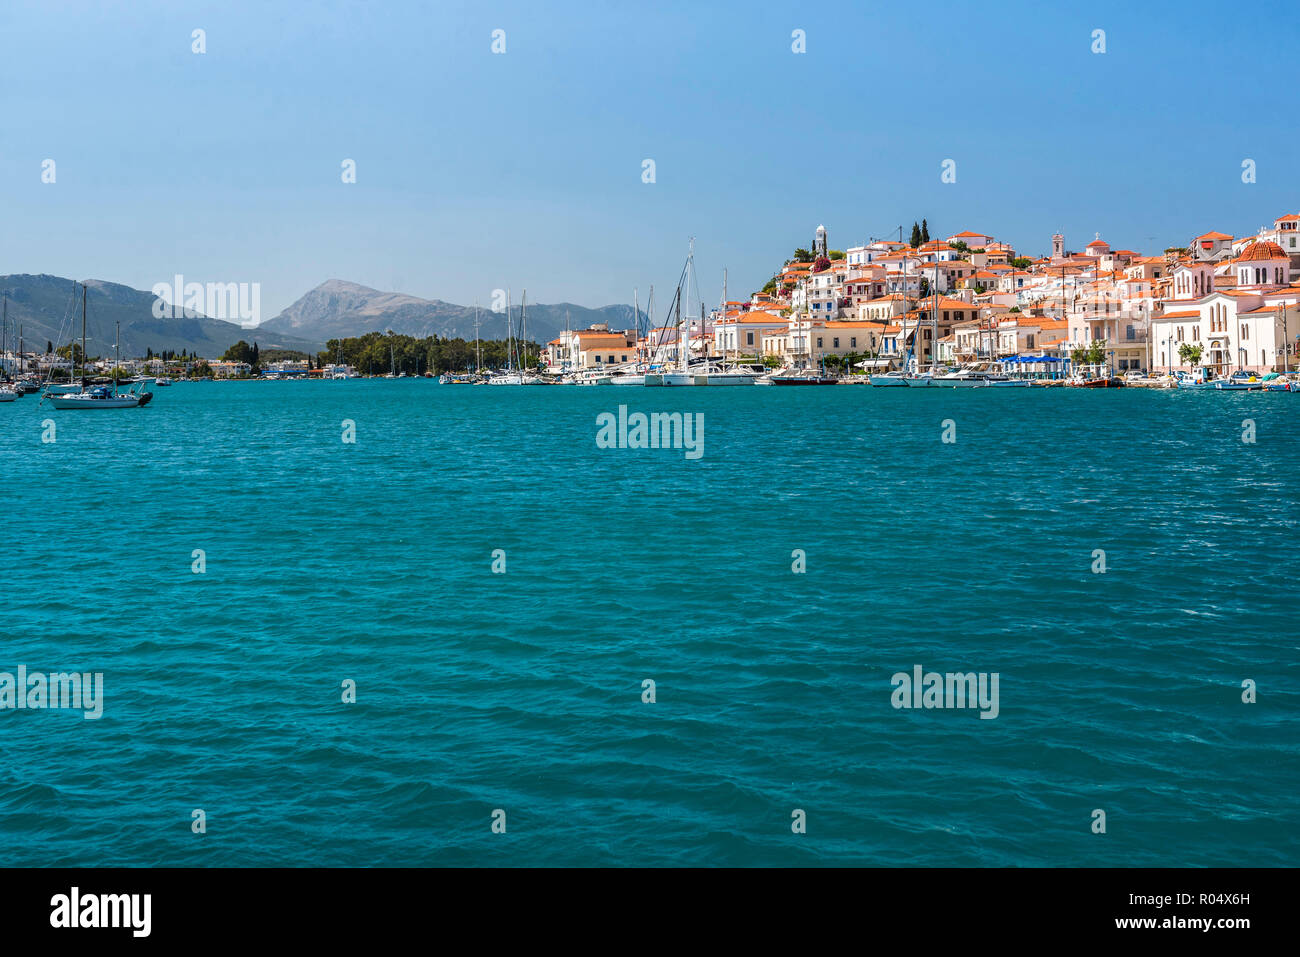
(803, 377)
(1241, 381)
(1095, 382)
(8, 395)
(162, 381)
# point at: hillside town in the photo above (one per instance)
(1220, 306)
(1224, 302)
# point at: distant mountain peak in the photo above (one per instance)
(338, 308)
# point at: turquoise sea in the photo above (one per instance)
(522, 691)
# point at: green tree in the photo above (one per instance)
(769, 287)
(925, 231)
(1189, 354)
(241, 351)
(916, 236)
(835, 253)
(1022, 262)
(803, 256)
(960, 246)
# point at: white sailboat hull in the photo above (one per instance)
(87, 401)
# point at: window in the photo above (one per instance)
(1245, 331)
(853, 342)
(1029, 340)
(1196, 332)
(835, 343)
(819, 342)
(749, 336)
(1180, 334)
(1129, 334)
(598, 358)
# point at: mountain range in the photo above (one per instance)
(48, 309)
(337, 308)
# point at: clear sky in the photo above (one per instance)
(478, 170)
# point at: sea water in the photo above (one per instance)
(625, 656)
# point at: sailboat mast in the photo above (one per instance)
(510, 339)
(83, 339)
(934, 317)
(636, 312)
(723, 316)
(523, 330)
(686, 334)
(117, 353)
(478, 361)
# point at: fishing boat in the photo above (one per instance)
(162, 381)
(802, 377)
(1202, 378)
(1241, 381)
(1095, 382)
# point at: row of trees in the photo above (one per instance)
(376, 353)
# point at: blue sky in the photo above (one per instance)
(476, 171)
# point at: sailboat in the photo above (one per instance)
(706, 372)
(7, 394)
(513, 375)
(99, 397)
